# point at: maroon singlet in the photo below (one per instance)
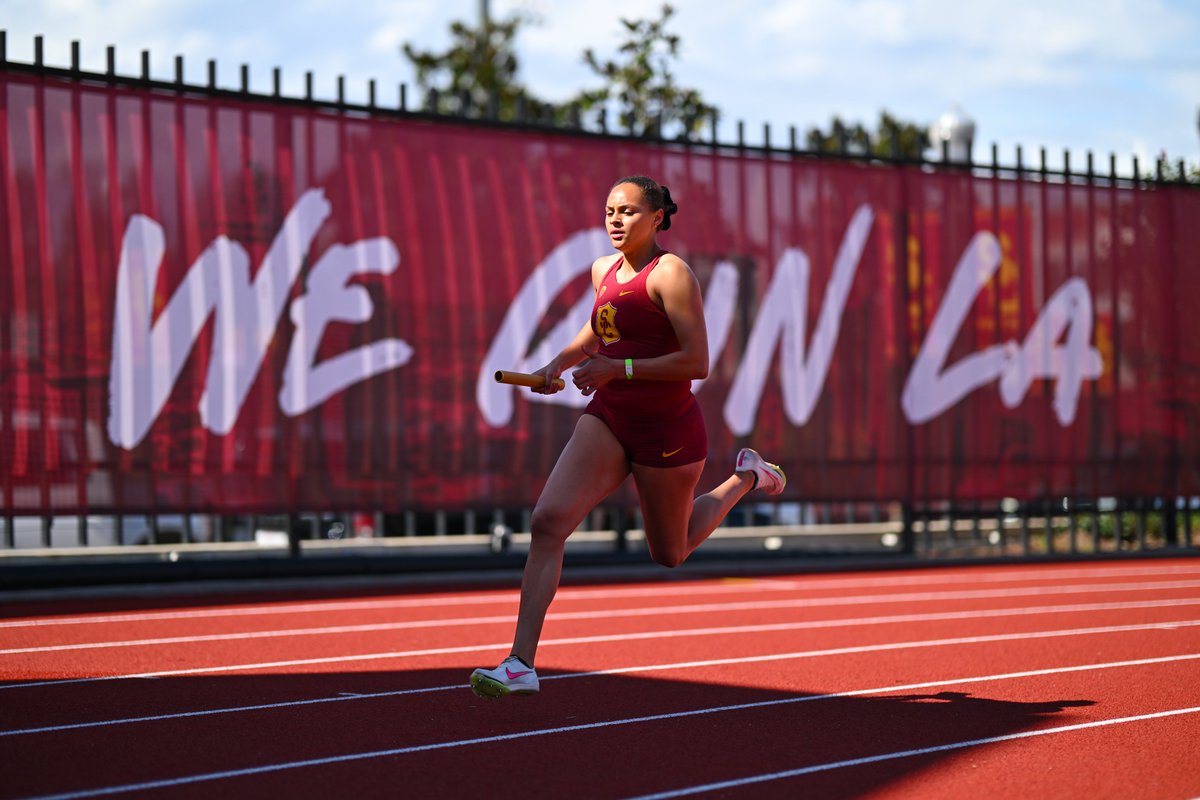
(659, 423)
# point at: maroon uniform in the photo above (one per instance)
(659, 423)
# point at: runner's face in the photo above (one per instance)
(630, 221)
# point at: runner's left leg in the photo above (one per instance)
(676, 522)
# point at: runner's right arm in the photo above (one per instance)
(584, 345)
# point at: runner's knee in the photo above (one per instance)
(549, 524)
(670, 557)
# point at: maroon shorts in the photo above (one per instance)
(656, 441)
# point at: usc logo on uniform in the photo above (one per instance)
(606, 323)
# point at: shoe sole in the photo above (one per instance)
(782, 478)
(491, 689)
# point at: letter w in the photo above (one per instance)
(784, 314)
(147, 358)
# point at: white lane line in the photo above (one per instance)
(344, 696)
(398, 751)
(647, 611)
(993, 574)
(620, 637)
(920, 751)
(736, 586)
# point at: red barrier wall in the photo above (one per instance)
(237, 306)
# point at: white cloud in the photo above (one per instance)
(388, 38)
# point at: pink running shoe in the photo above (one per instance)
(511, 677)
(770, 477)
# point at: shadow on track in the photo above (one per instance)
(421, 733)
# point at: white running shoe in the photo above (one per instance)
(770, 477)
(511, 677)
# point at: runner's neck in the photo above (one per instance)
(632, 265)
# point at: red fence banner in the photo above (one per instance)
(232, 305)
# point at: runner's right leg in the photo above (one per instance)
(590, 467)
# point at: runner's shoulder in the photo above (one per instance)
(601, 266)
(671, 268)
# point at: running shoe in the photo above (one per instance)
(511, 677)
(770, 477)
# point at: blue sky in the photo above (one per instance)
(1118, 76)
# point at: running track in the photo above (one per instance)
(1014, 681)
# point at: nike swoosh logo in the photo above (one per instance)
(622, 294)
(512, 676)
(673, 452)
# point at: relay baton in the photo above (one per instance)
(525, 379)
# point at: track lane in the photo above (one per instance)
(32, 640)
(363, 653)
(1018, 766)
(774, 670)
(615, 595)
(696, 740)
(767, 667)
(605, 650)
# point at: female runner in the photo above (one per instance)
(645, 343)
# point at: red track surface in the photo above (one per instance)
(1078, 680)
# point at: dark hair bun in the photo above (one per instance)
(669, 208)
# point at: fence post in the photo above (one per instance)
(1049, 509)
(620, 529)
(1170, 523)
(1118, 526)
(293, 534)
(908, 536)
(1024, 529)
(1187, 521)
(1141, 523)
(1073, 518)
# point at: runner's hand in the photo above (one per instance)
(550, 373)
(595, 371)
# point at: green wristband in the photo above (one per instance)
(629, 369)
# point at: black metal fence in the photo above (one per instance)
(542, 117)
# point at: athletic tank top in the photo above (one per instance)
(631, 325)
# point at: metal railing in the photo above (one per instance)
(1064, 526)
(541, 118)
